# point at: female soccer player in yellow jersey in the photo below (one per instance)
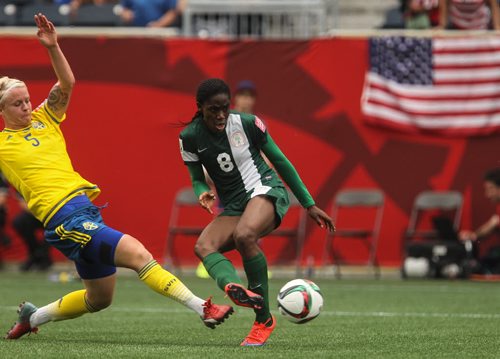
(34, 159)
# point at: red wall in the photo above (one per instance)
(131, 92)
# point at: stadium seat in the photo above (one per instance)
(17, 2)
(53, 12)
(97, 15)
(394, 19)
(8, 14)
(349, 205)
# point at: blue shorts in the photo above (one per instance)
(78, 231)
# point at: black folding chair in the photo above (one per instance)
(432, 231)
(357, 200)
(295, 232)
(185, 199)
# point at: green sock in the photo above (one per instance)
(256, 270)
(221, 269)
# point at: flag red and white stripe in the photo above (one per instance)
(463, 98)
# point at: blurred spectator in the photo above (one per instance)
(421, 14)
(490, 262)
(152, 13)
(469, 14)
(245, 97)
(28, 228)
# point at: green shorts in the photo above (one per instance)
(278, 195)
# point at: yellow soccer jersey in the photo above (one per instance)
(35, 161)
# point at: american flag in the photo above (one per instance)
(442, 85)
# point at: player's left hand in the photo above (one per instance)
(46, 31)
(321, 218)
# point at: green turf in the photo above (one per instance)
(361, 319)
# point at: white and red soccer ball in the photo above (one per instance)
(300, 301)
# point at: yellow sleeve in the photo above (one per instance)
(44, 110)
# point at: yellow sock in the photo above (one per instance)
(70, 306)
(167, 284)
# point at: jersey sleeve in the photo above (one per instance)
(188, 149)
(288, 173)
(256, 129)
(197, 178)
(43, 112)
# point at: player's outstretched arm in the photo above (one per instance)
(292, 179)
(288, 172)
(60, 93)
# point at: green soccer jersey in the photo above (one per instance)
(232, 158)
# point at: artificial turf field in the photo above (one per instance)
(360, 319)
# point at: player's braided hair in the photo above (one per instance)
(209, 88)
(6, 84)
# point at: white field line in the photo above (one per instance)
(417, 288)
(323, 313)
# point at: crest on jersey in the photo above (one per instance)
(37, 125)
(237, 139)
(90, 226)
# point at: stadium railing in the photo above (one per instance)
(254, 18)
(203, 18)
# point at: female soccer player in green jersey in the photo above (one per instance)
(34, 160)
(229, 144)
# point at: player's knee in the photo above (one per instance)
(132, 254)
(142, 257)
(198, 250)
(244, 238)
(202, 249)
(99, 302)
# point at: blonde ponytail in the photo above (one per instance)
(7, 84)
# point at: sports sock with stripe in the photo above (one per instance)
(70, 306)
(167, 284)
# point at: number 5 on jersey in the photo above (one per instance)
(35, 141)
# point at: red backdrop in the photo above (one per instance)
(131, 92)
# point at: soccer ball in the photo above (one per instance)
(300, 301)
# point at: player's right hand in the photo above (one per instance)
(207, 200)
(46, 31)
